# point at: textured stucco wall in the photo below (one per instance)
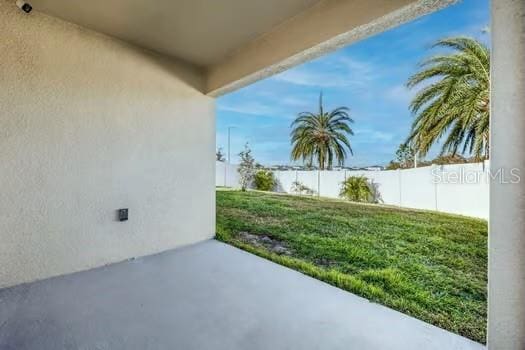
(506, 313)
(89, 124)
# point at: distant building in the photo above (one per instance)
(375, 168)
(278, 167)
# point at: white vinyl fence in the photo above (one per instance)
(456, 188)
(226, 175)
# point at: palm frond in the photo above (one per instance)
(454, 102)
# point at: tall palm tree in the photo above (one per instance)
(454, 103)
(321, 136)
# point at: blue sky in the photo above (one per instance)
(367, 76)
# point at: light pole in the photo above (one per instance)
(227, 165)
(229, 131)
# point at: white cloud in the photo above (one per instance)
(250, 107)
(300, 102)
(309, 77)
(295, 101)
(371, 135)
(364, 70)
(400, 94)
(336, 71)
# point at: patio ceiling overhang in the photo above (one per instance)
(237, 42)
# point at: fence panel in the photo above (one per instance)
(387, 183)
(466, 195)
(331, 182)
(226, 175)
(309, 179)
(417, 188)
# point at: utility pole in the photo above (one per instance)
(229, 134)
(227, 165)
(229, 131)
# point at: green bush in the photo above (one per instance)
(300, 188)
(264, 180)
(357, 189)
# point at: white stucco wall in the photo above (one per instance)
(89, 124)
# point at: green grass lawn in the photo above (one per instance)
(429, 265)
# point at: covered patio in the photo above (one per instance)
(109, 105)
(206, 296)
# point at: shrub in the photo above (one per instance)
(246, 167)
(300, 188)
(393, 165)
(358, 189)
(264, 180)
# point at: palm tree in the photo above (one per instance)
(321, 136)
(454, 104)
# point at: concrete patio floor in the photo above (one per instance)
(206, 296)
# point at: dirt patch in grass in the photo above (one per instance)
(263, 241)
